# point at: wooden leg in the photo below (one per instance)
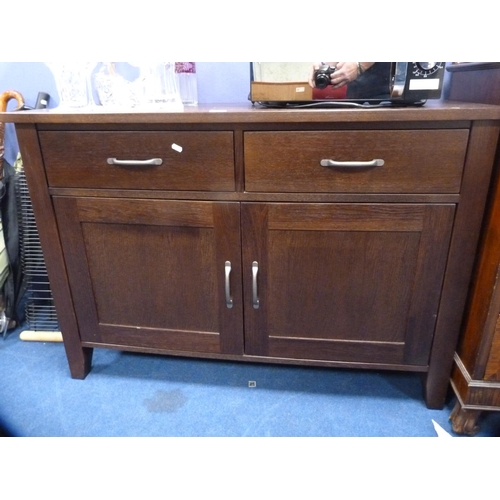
(464, 421)
(80, 361)
(436, 391)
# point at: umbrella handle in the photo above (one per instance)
(6, 96)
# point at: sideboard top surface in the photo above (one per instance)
(247, 113)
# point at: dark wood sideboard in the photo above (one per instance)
(476, 370)
(265, 235)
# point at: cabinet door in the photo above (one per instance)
(343, 282)
(154, 274)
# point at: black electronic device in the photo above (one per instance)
(375, 84)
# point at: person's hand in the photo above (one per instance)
(315, 68)
(345, 73)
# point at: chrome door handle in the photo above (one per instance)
(352, 164)
(135, 163)
(255, 295)
(227, 286)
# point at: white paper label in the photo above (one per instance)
(424, 84)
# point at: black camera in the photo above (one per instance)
(322, 76)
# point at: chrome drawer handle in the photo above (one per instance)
(255, 296)
(352, 164)
(135, 163)
(229, 300)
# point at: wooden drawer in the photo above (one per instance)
(415, 161)
(200, 161)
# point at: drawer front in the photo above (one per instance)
(200, 161)
(414, 161)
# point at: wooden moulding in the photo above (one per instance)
(474, 394)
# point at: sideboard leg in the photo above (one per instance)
(464, 421)
(80, 362)
(435, 391)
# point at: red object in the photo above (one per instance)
(330, 93)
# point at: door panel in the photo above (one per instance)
(344, 282)
(338, 278)
(124, 290)
(151, 273)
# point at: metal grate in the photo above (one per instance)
(39, 305)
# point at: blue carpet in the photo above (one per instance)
(129, 394)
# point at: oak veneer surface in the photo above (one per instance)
(417, 161)
(390, 256)
(205, 161)
(248, 114)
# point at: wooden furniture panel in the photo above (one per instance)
(344, 282)
(476, 370)
(475, 82)
(242, 247)
(150, 273)
(492, 371)
(190, 160)
(415, 161)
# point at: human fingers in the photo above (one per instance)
(314, 68)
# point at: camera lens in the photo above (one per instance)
(322, 81)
